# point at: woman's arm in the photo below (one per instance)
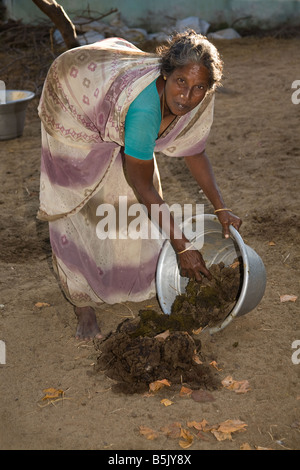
(201, 169)
(139, 174)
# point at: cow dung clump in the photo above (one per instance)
(208, 303)
(155, 346)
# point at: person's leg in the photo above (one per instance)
(87, 327)
(93, 269)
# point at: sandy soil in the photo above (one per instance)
(255, 149)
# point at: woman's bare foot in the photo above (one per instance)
(87, 327)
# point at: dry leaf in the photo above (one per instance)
(187, 439)
(241, 386)
(223, 431)
(272, 243)
(185, 444)
(158, 384)
(288, 298)
(199, 425)
(235, 264)
(215, 365)
(166, 402)
(245, 446)
(210, 428)
(228, 382)
(185, 391)
(222, 436)
(42, 304)
(172, 430)
(232, 425)
(197, 359)
(202, 396)
(148, 433)
(200, 435)
(52, 393)
(198, 331)
(163, 335)
(262, 448)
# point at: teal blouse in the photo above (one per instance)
(142, 124)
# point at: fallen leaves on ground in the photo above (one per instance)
(199, 425)
(42, 304)
(52, 396)
(166, 402)
(194, 430)
(148, 433)
(215, 365)
(52, 393)
(245, 446)
(221, 431)
(197, 429)
(241, 386)
(185, 391)
(158, 384)
(224, 431)
(288, 298)
(186, 439)
(172, 430)
(262, 448)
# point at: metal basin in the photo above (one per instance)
(215, 249)
(13, 112)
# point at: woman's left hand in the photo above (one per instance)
(226, 219)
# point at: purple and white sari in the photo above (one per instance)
(85, 98)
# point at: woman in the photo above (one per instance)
(106, 109)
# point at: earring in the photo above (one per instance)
(165, 78)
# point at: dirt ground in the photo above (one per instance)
(254, 148)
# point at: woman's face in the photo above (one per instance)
(185, 88)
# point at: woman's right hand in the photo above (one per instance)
(192, 265)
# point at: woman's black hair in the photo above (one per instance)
(190, 47)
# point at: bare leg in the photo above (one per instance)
(87, 327)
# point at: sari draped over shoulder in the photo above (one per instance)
(83, 106)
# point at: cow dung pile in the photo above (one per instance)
(155, 346)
